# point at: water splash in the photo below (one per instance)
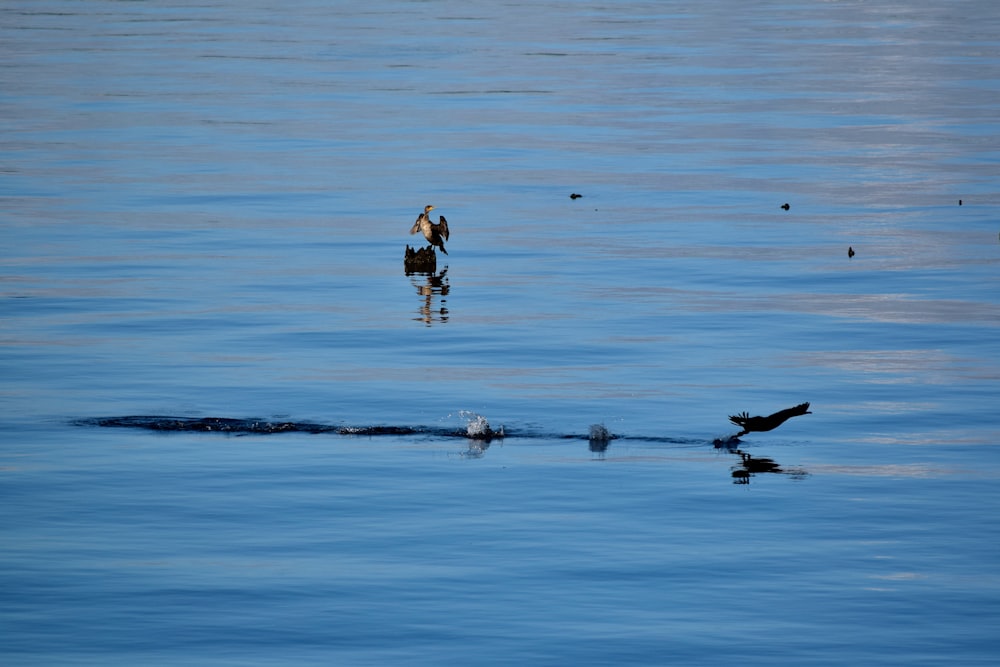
(598, 438)
(478, 427)
(599, 433)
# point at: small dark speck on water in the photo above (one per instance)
(850, 251)
(575, 196)
(785, 206)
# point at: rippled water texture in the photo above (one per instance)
(525, 456)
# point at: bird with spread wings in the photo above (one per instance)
(748, 423)
(436, 234)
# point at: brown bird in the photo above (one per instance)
(433, 233)
(850, 251)
(748, 423)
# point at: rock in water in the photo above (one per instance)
(423, 260)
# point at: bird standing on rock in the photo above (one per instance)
(434, 233)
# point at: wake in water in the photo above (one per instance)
(476, 427)
(477, 432)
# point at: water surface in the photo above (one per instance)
(205, 208)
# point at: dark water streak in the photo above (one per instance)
(264, 427)
(478, 432)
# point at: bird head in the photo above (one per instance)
(428, 208)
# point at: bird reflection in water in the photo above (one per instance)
(750, 466)
(432, 288)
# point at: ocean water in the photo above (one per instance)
(205, 207)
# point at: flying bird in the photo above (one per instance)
(434, 233)
(748, 423)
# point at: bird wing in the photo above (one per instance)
(740, 420)
(416, 225)
(758, 423)
(801, 409)
(444, 228)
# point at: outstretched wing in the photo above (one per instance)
(444, 228)
(740, 420)
(781, 415)
(416, 225)
(758, 423)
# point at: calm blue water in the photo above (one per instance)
(204, 212)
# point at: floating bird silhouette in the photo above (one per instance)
(575, 196)
(785, 206)
(850, 251)
(748, 423)
(434, 233)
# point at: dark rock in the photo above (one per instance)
(423, 260)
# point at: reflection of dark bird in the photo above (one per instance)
(785, 206)
(748, 423)
(433, 233)
(850, 251)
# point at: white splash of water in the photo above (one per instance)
(599, 433)
(477, 426)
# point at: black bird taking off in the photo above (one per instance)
(748, 423)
